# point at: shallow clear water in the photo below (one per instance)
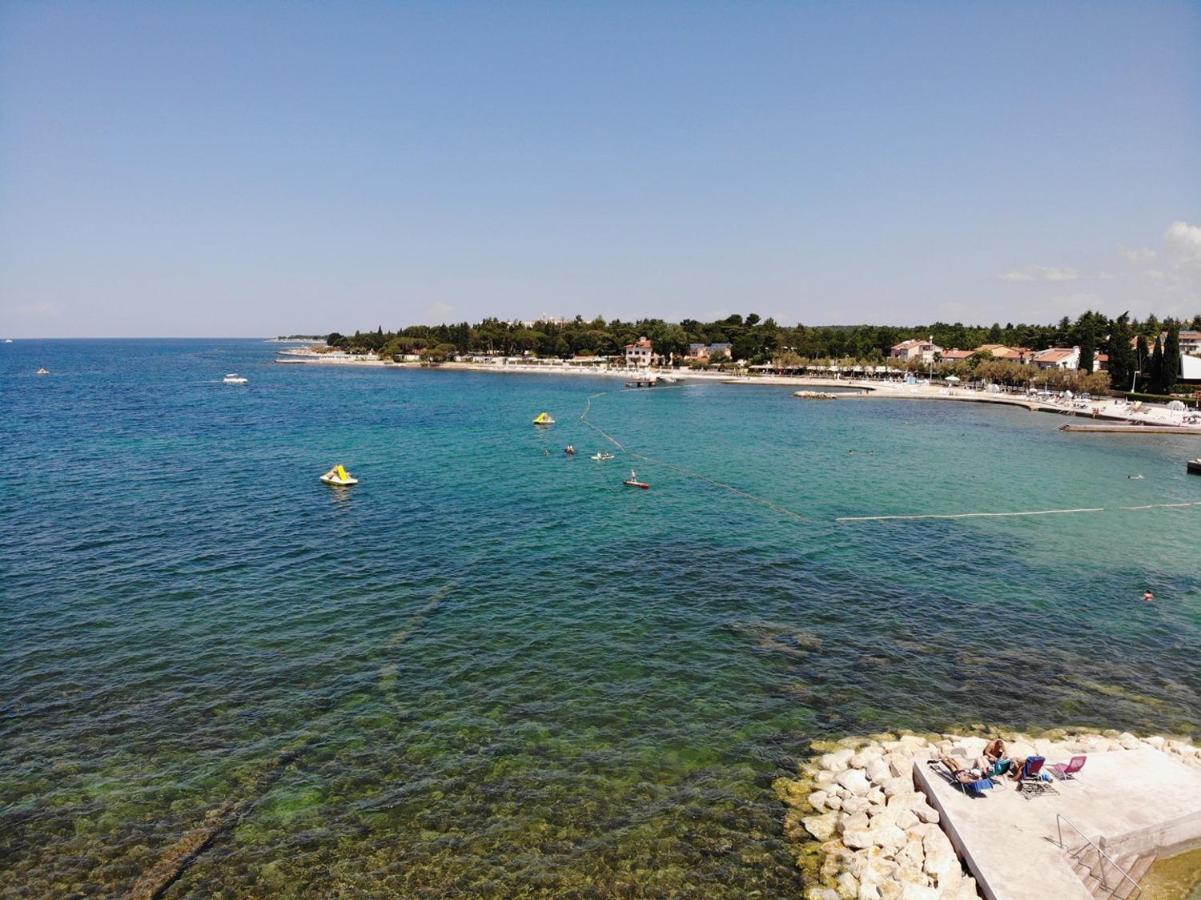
(501, 672)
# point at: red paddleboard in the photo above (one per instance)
(637, 484)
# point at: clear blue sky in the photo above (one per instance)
(220, 168)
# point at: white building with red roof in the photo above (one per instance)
(640, 353)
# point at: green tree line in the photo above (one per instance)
(1130, 343)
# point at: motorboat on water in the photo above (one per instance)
(43, 371)
(1193, 466)
(233, 378)
(601, 456)
(339, 477)
(544, 418)
(633, 481)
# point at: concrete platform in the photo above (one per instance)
(1133, 802)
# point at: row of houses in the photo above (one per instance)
(1051, 358)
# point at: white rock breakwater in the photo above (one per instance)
(861, 829)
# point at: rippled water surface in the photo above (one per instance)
(490, 670)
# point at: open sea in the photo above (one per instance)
(490, 670)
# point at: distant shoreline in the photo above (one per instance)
(1107, 409)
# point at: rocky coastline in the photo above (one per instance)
(859, 827)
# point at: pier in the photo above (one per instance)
(1124, 809)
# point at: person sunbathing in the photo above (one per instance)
(960, 772)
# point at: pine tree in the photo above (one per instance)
(1171, 359)
(1121, 354)
(1088, 348)
(1156, 383)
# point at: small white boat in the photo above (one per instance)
(1193, 466)
(233, 378)
(339, 477)
(43, 371)
(8, 340)
(601, 457)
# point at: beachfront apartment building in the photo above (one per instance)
(1058, 358)
(926, 351)
(640, 353)
(721, 349)
(710, 351)
(1012, 354)
(956, 355)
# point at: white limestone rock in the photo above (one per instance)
(854, 805)
(818, 800)
(868, 892)
(1128, 741)
(888, 837)
(837, 761)
(936, 844)
(854, 781)
(919, 892)
(858, 838)
(821, 827)
(848, 885)
(912, 854)
(940, 860)
(873, 867)
(901, 764)
(926, 813)
(878, 771)
(820, 892)
(858, 822)
(866, 755)
(898, 787)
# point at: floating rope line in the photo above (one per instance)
(1033, 512)
(1163, 505)
(683, 471)
(975, 515)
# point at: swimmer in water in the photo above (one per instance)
(1135, 477)
(1148, 597)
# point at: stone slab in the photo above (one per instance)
(1011, 844)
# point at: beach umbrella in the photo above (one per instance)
(954, 378)
(1176, 406)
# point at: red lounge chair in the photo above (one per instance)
(1064, 771)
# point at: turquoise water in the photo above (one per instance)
(500, 672)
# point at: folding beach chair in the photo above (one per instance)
(1067, 771)
(961, 778)
(1032, 783)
